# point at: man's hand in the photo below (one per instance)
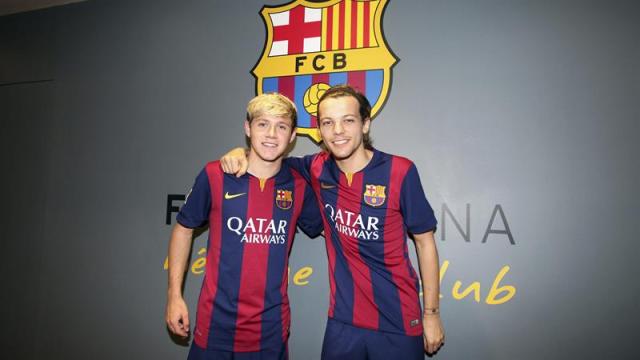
(177, 316)
(433, 332)
(235, 162)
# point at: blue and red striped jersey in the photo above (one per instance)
(243, 304)
(366, 221)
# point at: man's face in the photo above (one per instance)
(341, 127)
(269, 136)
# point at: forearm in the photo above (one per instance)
(429, 274)
(429, 269)
(179, 248)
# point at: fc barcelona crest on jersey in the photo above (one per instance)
(311, 46)
(374, 195)
(284, 199)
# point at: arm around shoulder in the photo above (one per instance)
(235, 162)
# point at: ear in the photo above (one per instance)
(293, 135)
(366, 125)
(247, 128)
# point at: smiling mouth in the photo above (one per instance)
(340, 141)
(271, 145)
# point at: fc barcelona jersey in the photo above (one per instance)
(366, 220)
(243, 304)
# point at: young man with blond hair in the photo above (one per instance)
(370, 200)
(243, 309)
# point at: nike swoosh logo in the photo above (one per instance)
(326, 186)
(228, 196)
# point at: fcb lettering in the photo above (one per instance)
(318, 63)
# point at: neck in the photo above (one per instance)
(356, 162)
(263, 169)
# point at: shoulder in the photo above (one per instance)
(213, 167)
(321, 157)
(399, 163)
(317, 162)
(296, 175)
(402, 161)
(215, 164)
(213, 171)
(298, 180)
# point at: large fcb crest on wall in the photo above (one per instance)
(311, 46)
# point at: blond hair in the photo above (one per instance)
(272, 104)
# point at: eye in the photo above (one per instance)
(350, 120)
(325, 122)
(283, 127)
(262, 124)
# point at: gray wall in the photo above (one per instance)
(106, 107)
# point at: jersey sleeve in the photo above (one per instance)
(310, 219)
(301, 165)
(195, 210)
(416, 211)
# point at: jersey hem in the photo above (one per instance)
(378, 330)
(239, 349)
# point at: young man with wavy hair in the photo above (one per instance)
(369, 201)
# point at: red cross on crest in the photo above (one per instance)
(297, 30)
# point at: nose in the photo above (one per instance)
(272, 131)
(338, 129)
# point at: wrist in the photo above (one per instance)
(433, 311)
(174, 294)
